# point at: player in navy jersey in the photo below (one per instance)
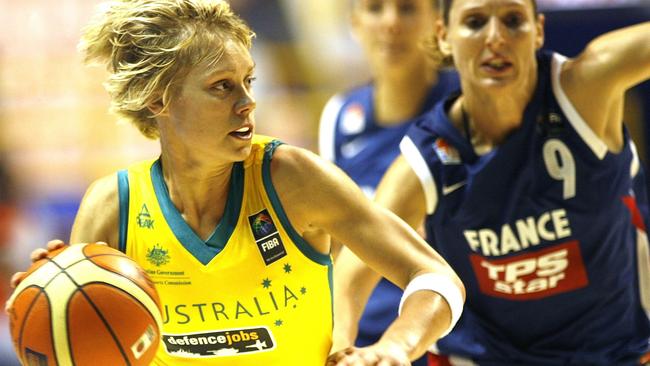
(526, 181)
(361, 129)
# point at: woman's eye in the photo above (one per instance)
(221, 86)
(250, 80)
(373, 7)
(513, 20)
(475, 21)
(407, 8)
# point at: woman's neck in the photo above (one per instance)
(198, 191)
(494, 115)
(399, 96)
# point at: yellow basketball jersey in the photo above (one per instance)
(254, 293)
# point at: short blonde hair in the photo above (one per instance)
(148, 45)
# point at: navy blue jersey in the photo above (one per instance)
(351, 138)
(545, 232)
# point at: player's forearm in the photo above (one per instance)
(424, 318)
(353, 284)
(346, 320)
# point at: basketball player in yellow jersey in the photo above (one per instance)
(253, 288)
(234, 229)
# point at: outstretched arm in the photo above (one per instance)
(619, 59)
(383, 241)
(400, 192)
(596, 81)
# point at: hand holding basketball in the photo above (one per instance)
(84, 304)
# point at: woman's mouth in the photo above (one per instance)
(244, 133)
(496, 66)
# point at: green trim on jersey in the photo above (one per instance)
(203, 251)
(123, 194)
(302, 245)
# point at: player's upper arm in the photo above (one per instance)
(317, 195)
(401, 192)
(310, 187)
(595, 81)
(98, 215)
(618, 59)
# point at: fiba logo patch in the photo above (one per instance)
(262, 225)
(267, 237)
(157, 255)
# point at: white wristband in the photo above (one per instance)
(444, 286)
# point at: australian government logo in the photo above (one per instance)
(267, 237)
(230, 342)
(157, 255)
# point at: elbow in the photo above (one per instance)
(459, 283)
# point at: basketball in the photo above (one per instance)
(85, 304)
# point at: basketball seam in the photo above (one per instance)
(41, 291)
(116, 272)
(48, 281)
(86, 257)
(101, 316)
(79, 288)
(135, 299)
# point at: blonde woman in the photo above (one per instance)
(234, 228)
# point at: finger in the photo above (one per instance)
(347, 360)
(7, 306)
(55, 244)
(336, 358)
(386, 362)
(37, 254)
(16, 278)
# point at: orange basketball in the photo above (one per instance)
(85, 304)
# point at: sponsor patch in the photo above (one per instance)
(33, 358)
(446, 153)
(143, 343)
(353, 120)
(267, 237)
(534, 275)
(230, 342)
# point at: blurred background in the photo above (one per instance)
(56, 135)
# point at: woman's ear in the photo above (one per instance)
(441, 36)
(353, 21)
(539, 24)
(157, 107)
